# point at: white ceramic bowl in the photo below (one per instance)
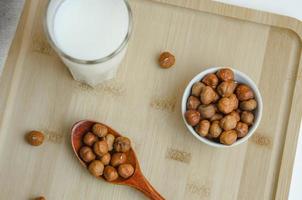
(239, 77)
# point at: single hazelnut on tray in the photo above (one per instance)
(228, 122)
(89, 139)
(207, 111)
(196, 88)
(110, 173)
(225, 74)
(244, 92)
(226, 88)
(35, 138)
(215, 129)
(125, 170)
(96, 168)
(228, 137)
(248, 105)
(105, 159)
(203, 128)
(100, 148)
(247, 117)
(100, 130)
(241, 129)
(210, 80)
(122, 144)
(110, 140)
(192, 117)
(117, 159)
(207, 95)
(192, 103)
(166, 60)
(87, 154)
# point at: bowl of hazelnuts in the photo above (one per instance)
(222, 107)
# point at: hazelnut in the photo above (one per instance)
(225, 74)
(110, 173)
(247, 117)
(226, 88)
(35, 138)
(40, 198)
(228, 137)
(192, 103)
(210, 80)
(215, 117)
(236, 115)
(192, 117)
(89, 139)
(100, 130)
(106, 159)
(241, 129)
(203, 127)
(215, 129)
(122, 144)
(87, 154)
(207, 111)
(228, 122)
(125, 170)
(166, 60)
(196, 88)
(110, 140)
(100, 148)
(207, 95)
(96, 168)
(118, 159)
(234, 101)
(225, 105)
(244, 92)
(248, 105)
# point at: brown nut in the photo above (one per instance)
(207, 111)
(210, 80)
(203, 127)
(225, 105)
(100, 148)
(236, 115)
(207, 95)
(110, 141)
(110, 173)
(35, 138)
(242, 129)
(226, 88)
(87, 154)
(228, 122)
(118, 159)
(228, 137)
(193, 103)
(234, 101)
(215, 117)
(248, 105)
(196, 88)
(225, 74)
(125, 170)
(217, 97)
(89, 139)
(166, 60)
(215, 129)
(247, 117)
(122, 144)
(106, 159)
(100, 130)
(96, 168)
(40, 198)
(244, 92)
(192, 117)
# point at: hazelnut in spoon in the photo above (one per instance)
(136, 180)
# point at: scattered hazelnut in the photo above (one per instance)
(236, 115)
(96, 168)
(228, 137)
(207, 95)
(110, 140)
(118, 159)
(192, 103)
(35, 138)
(87, 154)
(228, 122)
(248, 105)
(196, 88)
(106, 159)
(110, 173)
(244, 92)
(207, 111)
(166, 60)
(40, 198)
(100, 130)
(215, 129)
(192, 117)
(241, 129)
(203, 127)
(215, 117)
(234, 101)
(125, 170)
(225, 105)
(210, 80)
(225, 74)
(247, 117)
(122, 144)
(89, 139)
(100, 148)
(226, 88)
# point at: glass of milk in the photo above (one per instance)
(90, 36)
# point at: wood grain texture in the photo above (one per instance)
(143, 103)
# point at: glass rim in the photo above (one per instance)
(82, 61)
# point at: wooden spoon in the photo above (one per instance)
(137, 180)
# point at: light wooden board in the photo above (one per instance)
(143, 102)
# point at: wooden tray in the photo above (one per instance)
(143, 102)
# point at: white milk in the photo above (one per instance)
(89, 30)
